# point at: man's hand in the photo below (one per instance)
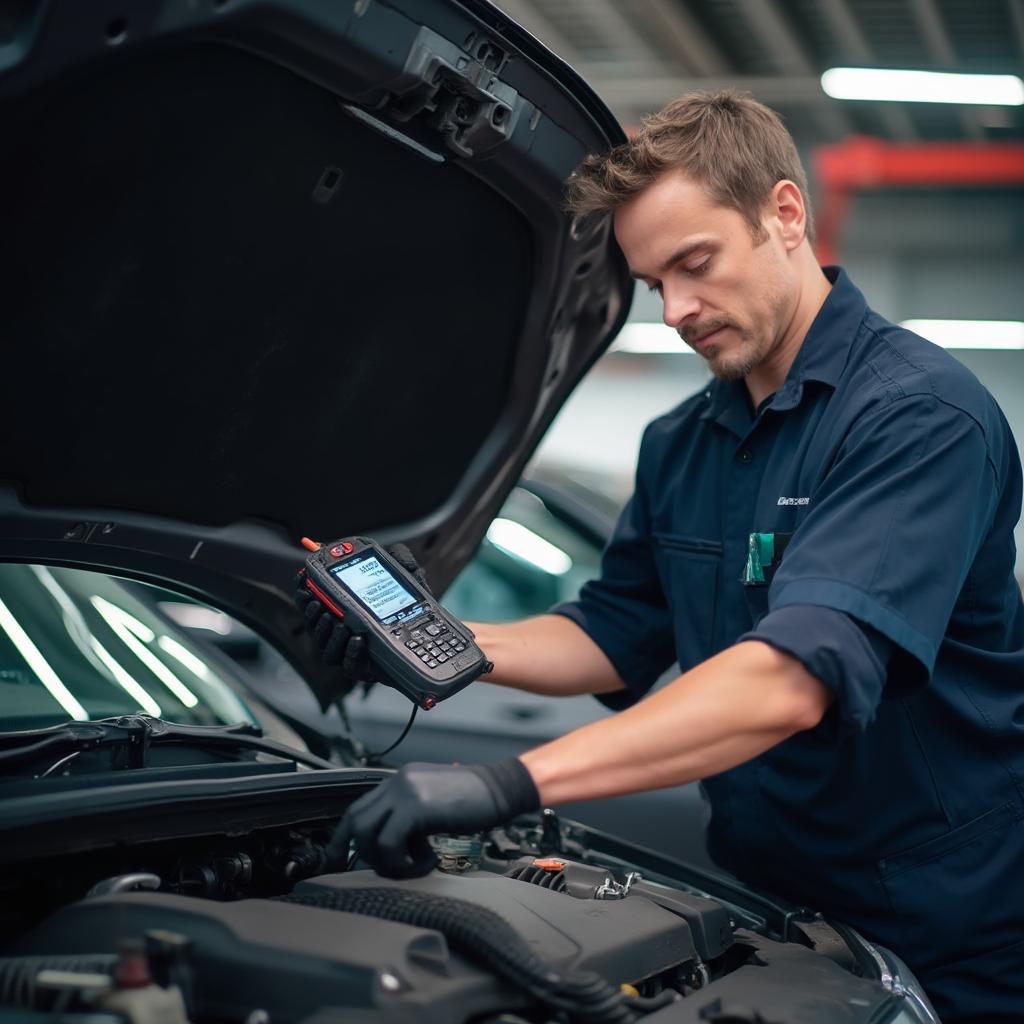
(390, 825)
(344, 643)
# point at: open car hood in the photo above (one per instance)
(280, 268)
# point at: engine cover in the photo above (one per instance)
(295, 961)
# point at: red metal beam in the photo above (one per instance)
(859, 163)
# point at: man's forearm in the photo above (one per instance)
(718, 715)
(547, 654)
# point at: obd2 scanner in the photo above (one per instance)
(417, 647)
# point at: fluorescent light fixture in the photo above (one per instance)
(923, 87)
(516, 540)
(127, 627)
(40, 666)
(649, 339)
(1002, 334)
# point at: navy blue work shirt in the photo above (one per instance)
(890, 477)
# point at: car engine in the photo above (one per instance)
(524, 924)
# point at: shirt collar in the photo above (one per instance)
(822, 356)
(824, 352)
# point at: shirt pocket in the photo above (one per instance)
(756, 596)
(689, 568)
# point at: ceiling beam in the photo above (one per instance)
(525, 14)
(845, 28)
(940, 51)
(767, 21)
(936, 38)
(684, 34)
(620, 30)
(1017, 17)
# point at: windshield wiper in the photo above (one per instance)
(135, 734)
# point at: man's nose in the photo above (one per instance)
(679, 306)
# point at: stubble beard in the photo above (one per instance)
(735, 365)
(735, 362)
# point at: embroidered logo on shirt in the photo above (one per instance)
(794, 501)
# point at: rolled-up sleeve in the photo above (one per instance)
(889, 540)
(849, 658)
(624, 611)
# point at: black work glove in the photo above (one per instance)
(390, 825)
(343, 643)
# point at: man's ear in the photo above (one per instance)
(786, 207)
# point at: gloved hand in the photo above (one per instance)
(344, 643)
(390, 825)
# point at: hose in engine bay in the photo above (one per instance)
(18, 974)
(481, 935)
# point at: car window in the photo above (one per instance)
(529, 560)
(84, 645)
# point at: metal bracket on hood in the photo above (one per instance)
(461, 94)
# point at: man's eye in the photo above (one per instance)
(701, 268)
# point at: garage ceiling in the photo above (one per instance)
(638, 54)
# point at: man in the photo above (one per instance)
(823, 540)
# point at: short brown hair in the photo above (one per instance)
(737, 148)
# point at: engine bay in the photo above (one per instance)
(528, 923)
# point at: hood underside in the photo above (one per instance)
(284, 269)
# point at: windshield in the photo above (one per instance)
(530, 560)
(82, 645)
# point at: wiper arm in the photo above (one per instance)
(136, 733)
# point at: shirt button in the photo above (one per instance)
(745, 456)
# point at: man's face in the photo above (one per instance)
(729, 297)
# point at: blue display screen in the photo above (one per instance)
(374, 585)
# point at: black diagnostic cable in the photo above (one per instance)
(370, 758)
(375, 755)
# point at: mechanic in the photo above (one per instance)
(822, 538)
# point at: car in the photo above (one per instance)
(280, 269)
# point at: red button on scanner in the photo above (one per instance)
(341, 549)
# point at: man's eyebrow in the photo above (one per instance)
(687, 250)
(680, 254)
